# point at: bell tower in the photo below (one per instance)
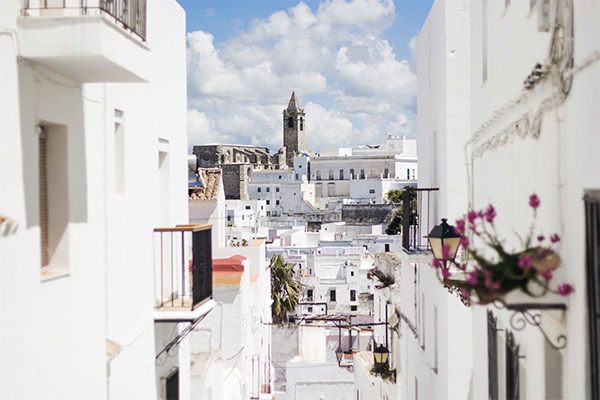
(294, 128)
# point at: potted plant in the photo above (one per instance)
(490, 278)
(384, 279)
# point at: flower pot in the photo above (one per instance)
(543, 259)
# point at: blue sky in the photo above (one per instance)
(351, 63)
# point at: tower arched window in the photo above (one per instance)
(290, 122)
(301, 123)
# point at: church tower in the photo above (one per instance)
(294, 128)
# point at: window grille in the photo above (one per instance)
(592, 247)
(492, 357)
(512, 368)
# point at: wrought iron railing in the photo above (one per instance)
(130, 14)
(183, 260)
(417, 207)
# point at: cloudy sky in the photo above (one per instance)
(351, 63)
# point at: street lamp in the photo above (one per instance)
(380, 354)
(338, 354)
(444, 236)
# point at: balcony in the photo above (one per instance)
(183, 268)
(87, 40)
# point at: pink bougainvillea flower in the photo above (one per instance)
(495, 285)
(488, 281)
(445, 252)
(472, 278)
(490, 214)
(437, 263)
(463, 267)
(472, 217)
(555, 238)
(547, 274)
(565, 289)
(465, 293)
(459, 226)
(446, 272)
(525, 262)
(377, 287)
(464, 242)
(534, 201)
(541, 238)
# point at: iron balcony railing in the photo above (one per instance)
(417, 209)
(130, 14)
(183, 260)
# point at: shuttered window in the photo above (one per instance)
(43, 187)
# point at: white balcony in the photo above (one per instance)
(87, 40)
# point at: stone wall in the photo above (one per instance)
(368, 213)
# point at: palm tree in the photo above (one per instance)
(285, 289)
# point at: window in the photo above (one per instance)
(258, 189)
(309, 295)
(268, 202)
(341, 174)
(229, 218)
(386, 173)
(330, 174)
(276, 202)
(296, 176)
(332, 295)
(353, 308)
(351, 273)
(53, 195)
(276, 189)
(353, 295)
(362, 174)
(279, 176)
(268, 189)
(262, 208)
(387, 247)
(371, 191)
(351, 173)
(408, 174)
(248, 207)
(310, 309)
(319, 190)
(268, 213)
(331, 189)
(592, 238)
(290, 122)
(301, 123)
(318, 175)
(413, 174)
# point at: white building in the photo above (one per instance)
(93, 115)
(533, 131)
(207, 202)
(285, 191)
(364, 174)
(430, 345)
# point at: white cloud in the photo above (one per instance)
(337, 53)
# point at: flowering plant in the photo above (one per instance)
(384, 279)
(529, 269)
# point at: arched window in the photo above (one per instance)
(301, 123)
(290, 122)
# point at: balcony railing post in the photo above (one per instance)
(183, 269)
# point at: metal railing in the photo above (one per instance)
(417, 207)
(183, 260)
(130, 14)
